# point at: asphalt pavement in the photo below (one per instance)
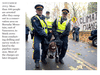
(79, 56)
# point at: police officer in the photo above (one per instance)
(76, 33)
(49, 22)
(47, 15)
(61, 28)
(41, 32)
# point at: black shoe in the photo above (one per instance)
(56, 60)
(44, 61)
(37, 65)
(61, 61)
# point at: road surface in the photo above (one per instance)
(79, 56)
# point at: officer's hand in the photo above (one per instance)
(58, 41)
(57, 38)
(61, 35)
(46, 42)
(46, 37)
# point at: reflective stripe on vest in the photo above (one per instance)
(61, 27)
(44, 26)
(49, 23)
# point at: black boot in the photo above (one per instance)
(61, 61)
(37, 65)
(56, 60)
(43, 61)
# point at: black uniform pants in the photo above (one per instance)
(63, 47)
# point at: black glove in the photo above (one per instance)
(58, 41)
(46, 37)
(61, 35)
(46, 41)
(57, 38)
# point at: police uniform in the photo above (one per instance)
(41, 32)
(49, 22)
(76, 32)
(61, 28)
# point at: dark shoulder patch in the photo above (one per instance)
(34, 18)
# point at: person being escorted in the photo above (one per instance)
(27, 32)
(41, 33)
(49, 22)
(61, 29)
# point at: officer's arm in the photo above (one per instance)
(54, 27)
(37, 27)
(67, 30)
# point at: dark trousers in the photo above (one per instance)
(37, 41)
(77, 37)
(73, 36)
(26, 37)
(63, 47)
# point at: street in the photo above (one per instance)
(79, 56)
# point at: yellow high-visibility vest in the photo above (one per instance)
(49, 22)
(44, 26)
(61, 27)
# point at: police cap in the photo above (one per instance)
(47, 12)
(39, 7)
(65, 11)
